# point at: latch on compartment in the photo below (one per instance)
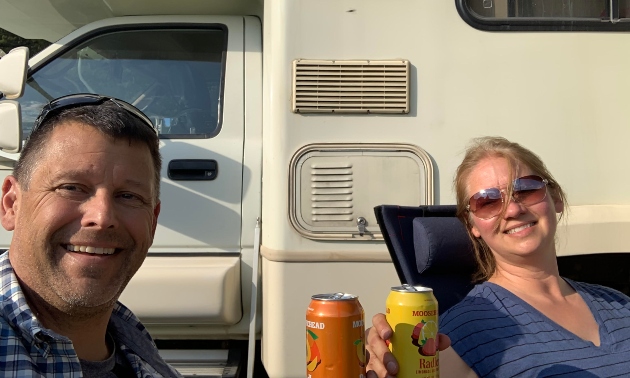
(361, 223)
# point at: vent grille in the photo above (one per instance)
(350, 86)
(331, 192)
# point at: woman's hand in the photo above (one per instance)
(381, 362)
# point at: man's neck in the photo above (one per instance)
(86, 331)
(91, 346)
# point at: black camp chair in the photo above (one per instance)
(429, 247)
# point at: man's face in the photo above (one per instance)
(86, 222)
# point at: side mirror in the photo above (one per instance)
(10, 126)
(13, 68)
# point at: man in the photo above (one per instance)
(83, 204)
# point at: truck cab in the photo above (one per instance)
(197, 280)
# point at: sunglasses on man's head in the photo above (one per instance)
(527, 190)
(72, 101)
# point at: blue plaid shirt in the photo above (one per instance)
(27, 349)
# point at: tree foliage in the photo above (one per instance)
(8, 41)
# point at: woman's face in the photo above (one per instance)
(521, 231)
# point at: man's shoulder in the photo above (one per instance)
(16, 317)
(6, 328)
(6, 270)
(136, 343)
(124, 319)
(13, 344)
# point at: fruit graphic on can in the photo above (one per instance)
(335, 337)
(412, 312)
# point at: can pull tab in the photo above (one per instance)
(361, 223)
(337, 296)
(409, 287)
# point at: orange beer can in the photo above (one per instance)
(335, 337)
(412, 312)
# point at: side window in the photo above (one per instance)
(174, 76)
(561, 15)
(541, 9)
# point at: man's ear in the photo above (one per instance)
(10, 202)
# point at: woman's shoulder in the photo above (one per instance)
(484, 303)
(481, 323)
(591, 286)
(600, 295)
(483, 294)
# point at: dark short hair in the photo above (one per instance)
(108, 118)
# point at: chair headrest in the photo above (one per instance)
(448, 236)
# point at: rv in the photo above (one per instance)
(283, 123)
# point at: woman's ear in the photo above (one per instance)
(559, 205)
(474, 229)
(557, 201)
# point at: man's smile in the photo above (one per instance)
(90, 249)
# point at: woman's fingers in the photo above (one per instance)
(443, 341)
(379, 321)
(381, 362)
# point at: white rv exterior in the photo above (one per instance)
(561, 93)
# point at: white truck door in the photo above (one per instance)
(188, 78)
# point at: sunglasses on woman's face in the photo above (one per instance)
(527, 190)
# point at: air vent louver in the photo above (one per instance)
(331, 192)
(350, 86)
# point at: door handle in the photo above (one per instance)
(192, 169)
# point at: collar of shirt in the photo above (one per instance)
(17, 312)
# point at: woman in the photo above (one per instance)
(523, 319)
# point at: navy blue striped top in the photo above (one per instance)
(499, 335)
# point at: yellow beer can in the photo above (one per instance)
(412, 312)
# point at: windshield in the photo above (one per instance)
(174, 76)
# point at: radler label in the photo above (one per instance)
(412, 312)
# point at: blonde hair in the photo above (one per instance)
(516, 155)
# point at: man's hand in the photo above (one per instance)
(381, 362)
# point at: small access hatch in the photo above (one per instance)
(334, 187)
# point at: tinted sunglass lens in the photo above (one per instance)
(488, 208)
(528, 183)
(486, 204)
(530, 190)
(64, 102)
